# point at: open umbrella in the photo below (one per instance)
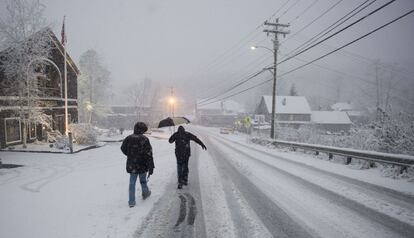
(173, 121)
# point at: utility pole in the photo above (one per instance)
(277, 29)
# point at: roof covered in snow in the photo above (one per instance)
(288, 104)
(228, 106)
(330, 117)
(342, 106)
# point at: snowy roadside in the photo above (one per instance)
(372, 176)
(76, 195)
(44, 147)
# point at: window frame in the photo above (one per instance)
(5, 130)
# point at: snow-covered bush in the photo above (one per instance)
(395, 133)
(61, 142)
(112, 132)
(358, 138)
(84, 133)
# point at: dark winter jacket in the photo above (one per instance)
(182, 142)
(138, 150)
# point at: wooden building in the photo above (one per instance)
(125, 116)
(292, 111)
(331, 121)
(220, 114)
(50, 103)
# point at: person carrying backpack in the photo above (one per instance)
(182, 152)
(139, 162)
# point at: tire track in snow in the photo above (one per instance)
(399, 209)
(178, 213)
(391, 223)
(275, 219)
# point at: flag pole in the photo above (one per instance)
(66, 78)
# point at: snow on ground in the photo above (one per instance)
(216, 214)
(86, 194)
(372, 176)
(45, 147)
(76, 195)
(307, 207)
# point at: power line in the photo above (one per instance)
(350, 43)
(317, 18)
(339, 31)
(321, 33)
(319, 58)
(235, 86)
(287, 10)
(303, 12)
(237, 93)
(251, 65)
(240, 43)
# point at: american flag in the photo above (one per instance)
(64, 40)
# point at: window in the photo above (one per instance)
(32, 130)
(13, 130)
(59, 123)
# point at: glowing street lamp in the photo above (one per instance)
(171, 101)
(89, 107)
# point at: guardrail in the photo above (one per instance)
(401, 160)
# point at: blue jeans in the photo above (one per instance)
(132, 182)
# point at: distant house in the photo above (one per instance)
(332, 121)
(291, 111)
(51, 102)
(223, 113)
(125, 116)
(349, 108)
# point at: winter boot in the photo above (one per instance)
(146, 195)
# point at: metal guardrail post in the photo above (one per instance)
(404, 161)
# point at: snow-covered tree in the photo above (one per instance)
(138, 94)
(25, 42)
(293, 91)
(395, 132)
(93, 86)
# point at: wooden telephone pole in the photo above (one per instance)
(276, 30)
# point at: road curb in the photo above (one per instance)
(55, 152)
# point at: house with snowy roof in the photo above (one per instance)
(221, 113)
(350, 109)
(49, 85)
(290, 110)
(331, 121)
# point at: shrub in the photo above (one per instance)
(83, 133)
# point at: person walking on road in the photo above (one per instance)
(182, 152)
(138, 150)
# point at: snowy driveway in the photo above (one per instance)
(236, 190)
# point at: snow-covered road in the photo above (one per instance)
(236, 190)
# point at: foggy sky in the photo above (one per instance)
(174, 41)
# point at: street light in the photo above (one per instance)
(254, 47)
(274, 51)
(172, 102)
